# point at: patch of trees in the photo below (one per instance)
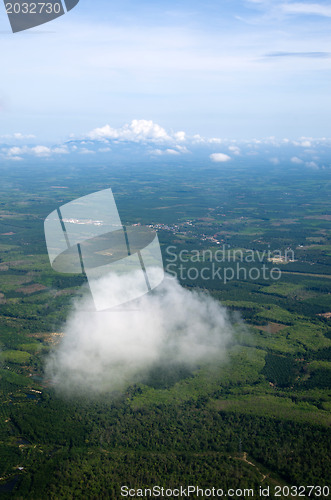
(320, 379)
(280, 370)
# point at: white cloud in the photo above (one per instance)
(219, 157)
(180, 136)
(307, 8)
(158, 141)
(296, 160)
(145, 131)
(15, 150)
(15, 158)
(182, 149)
(235, 150)
(41, 151)
(197, 139)
(60, 150)
(86, 151)
(304, 142)
(102, 352)
(18, 136)
(160, 152)
(136, 131)
(214, 140)
(171, 152)
(312, 164)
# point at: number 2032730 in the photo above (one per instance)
(33, 8)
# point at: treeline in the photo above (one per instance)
(87, 443)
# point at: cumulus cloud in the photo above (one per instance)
(15, 150)
(304, 142)
(147, 131)
(136, 131)
(41, 151)
(274, 161)
(107, 351)
(219, 157)
(180, 136)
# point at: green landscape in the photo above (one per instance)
(259, 417)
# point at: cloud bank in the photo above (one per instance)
(107, 351)
(149, 140)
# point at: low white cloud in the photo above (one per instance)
(312, 164)
(60, 150)
(86, 151)
(219, 157)
(15, 150)
(214, 140)
(18, 136)
(274, 161)
(182, 149)
(170, 151)
(104, 150)
(235, 150)
(160, 152)
(15, 158)
(304, 142)
(104, 352)
(41, 151)
(197, 139)
(296, 160)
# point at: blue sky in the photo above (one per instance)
(218, 68)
